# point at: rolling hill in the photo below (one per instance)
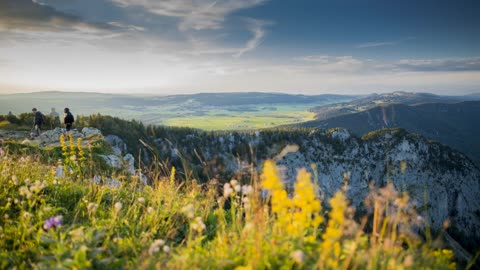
(367, 102)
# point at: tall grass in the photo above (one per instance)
(48, 222)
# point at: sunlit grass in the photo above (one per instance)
(242, 120)
(50, 222)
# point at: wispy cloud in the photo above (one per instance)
(381, 43)
(447, 64)
(28, 15)
(375, 44)
(197, 15)
(257, 28)
(323, 59)
(326, 63)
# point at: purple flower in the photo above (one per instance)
(53, 222)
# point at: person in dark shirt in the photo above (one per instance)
(38, 121)
(68, 119)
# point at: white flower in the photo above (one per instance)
(153, 249)
(155, 246)
(198, 225)
(27, 215)
(166, 249)
(24, 191)
(297, 256)
(159, 242)
(92, 207)
(227, 192)
(149, 209)
(118, 206)
(141, 200)
(188, 210)
(238, 188)
(247, 189)
(233, 182)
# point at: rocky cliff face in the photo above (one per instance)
(443, 184)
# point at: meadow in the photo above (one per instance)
(49, 221)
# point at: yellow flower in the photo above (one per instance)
(270, 176)
(243, 267)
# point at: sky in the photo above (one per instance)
(189, 46)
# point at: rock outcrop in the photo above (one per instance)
(450, 180)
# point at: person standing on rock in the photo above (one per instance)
(38, 121)
(68, 119)
(55, 122)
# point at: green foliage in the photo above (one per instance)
(184, 225)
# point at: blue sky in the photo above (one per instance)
(188, 46)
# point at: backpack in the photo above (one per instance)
(39, 118)
(70, 118)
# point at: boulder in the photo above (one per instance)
(341, 134)
(87, 131)
(112, 161)
(118, 145)
(53, 136)
(130, 163)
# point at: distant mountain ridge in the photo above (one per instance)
(399, 97)
(205, 99)
(456, 124)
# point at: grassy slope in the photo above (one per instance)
(188, 226)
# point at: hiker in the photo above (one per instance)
(38, 121)
(55, 118)
(68, 119)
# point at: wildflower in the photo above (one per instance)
(297, 256)
(243, 267)
(247, 189)
(166, 249)
(53, 222)
(188, 210)
(117, 206)
(198, 225)
(15, 180)
(141, 200)
(77, 234)
(92, 207)
(234, 182)
(37, 186)
(24, 191)
(155, 246)
(227, 190)
(149, 209)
